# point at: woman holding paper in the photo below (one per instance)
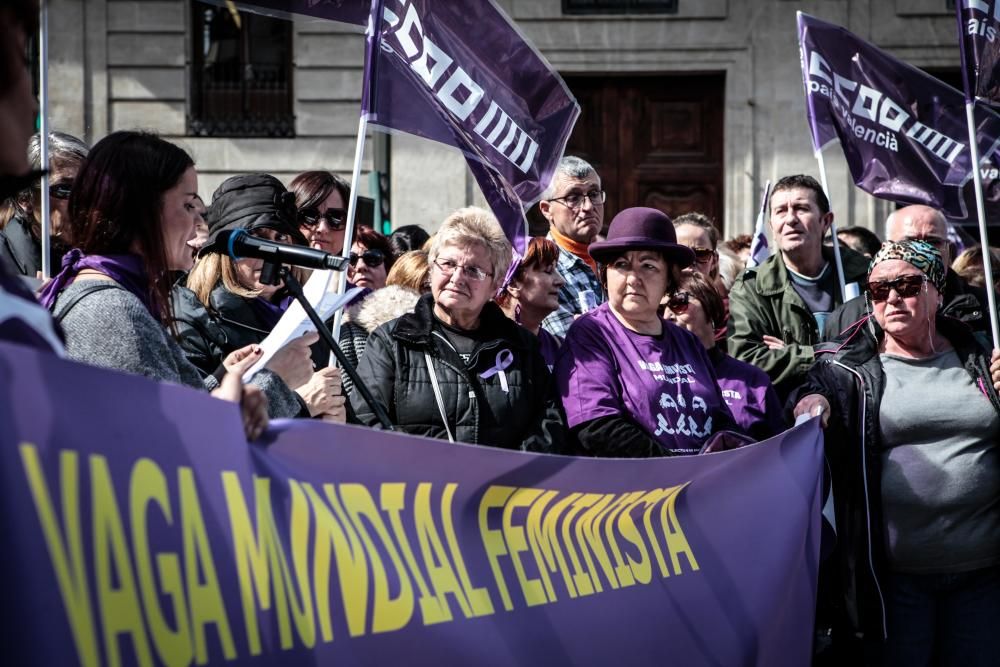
(133, 208)
(223, 306)
(457, 368)
(912, 423)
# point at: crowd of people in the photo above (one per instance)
(647, 337)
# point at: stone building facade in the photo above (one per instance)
(691, 109)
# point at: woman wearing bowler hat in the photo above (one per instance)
(632, 384)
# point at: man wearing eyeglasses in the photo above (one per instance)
(962, 301)
(777, 310)
(574, 207)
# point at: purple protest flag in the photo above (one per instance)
(979, 43)
(977, 29)
(463, 75)
(902, 131)
(759, 250)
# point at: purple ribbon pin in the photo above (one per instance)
(504, 359)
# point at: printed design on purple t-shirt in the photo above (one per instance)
(676, 416)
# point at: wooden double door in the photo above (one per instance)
(656, 140)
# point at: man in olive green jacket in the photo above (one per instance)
(777, 310)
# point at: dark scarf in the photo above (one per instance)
(126, 270)
(267, 313)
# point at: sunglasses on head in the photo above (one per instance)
(905, 286)
(335, 218)
(61, 190)
(372, 258)
(678, 302)
(703, 254)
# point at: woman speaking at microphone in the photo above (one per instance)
(132, 211)
(222, 305)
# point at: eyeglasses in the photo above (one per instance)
(596, 198)
(448, 267)
(703, 255)
(61, 190)
(372, 258)
(335, 218)
(905, 286)
(678, 302)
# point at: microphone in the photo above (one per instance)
(240, 245)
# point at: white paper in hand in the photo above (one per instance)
(295, 322)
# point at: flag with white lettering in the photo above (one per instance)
(979, 42)
(903, 132)
(463, 75)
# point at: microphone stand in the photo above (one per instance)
(271, 274)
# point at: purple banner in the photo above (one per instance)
(903, 132)
(144, 529)
(463, 75)
(979, 41)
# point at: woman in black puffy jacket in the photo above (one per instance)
(457, 368)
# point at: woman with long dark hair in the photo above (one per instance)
(133, 208)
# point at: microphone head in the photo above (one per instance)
(222, 242)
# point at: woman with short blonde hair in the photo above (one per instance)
(456, 367)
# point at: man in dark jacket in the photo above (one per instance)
(777, 310)
(962, 301)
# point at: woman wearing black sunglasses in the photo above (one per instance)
(370, 261)
(21, 222)
(696, 306)
(321, 198)
(912, 421)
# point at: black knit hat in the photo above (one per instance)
(251, 202)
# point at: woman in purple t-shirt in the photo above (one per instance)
(696, 306)
(533, 293)
(632, 384)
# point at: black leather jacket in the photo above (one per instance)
(526, 416)
(208, 334)
(848, 372)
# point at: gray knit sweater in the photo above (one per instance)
(111, 328)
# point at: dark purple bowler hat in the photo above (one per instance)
(642, 228)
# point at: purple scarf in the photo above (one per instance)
(267, 313)
(126, 270)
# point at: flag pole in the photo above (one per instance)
(977, 180)
(833, 227)
(367, 104)
(352, 206)
(43, 110)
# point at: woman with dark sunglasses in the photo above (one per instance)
(696, 306)
(370, 260)
(912, 421)
(321, 198)
(21, 219)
